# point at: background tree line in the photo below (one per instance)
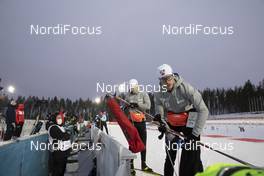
(245, 98)
(33, 105)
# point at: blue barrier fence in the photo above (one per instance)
(21, 158)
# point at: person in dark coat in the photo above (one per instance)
(10, 120)
(59, 139)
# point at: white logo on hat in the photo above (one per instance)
(162, 72)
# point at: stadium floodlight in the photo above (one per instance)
(11, 89)
(97, 100)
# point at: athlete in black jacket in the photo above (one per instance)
(59, 141)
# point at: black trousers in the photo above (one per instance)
(190, 162)
(18, 130)
(59, 162)
(9, 132)
(104, 124)
(142, 131)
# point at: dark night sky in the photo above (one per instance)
(131, 46)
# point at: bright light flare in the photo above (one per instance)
(97, 100)
(11, 89)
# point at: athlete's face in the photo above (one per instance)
(59, 120)
(169, 81)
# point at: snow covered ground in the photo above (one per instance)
(241, 138)
(247, 150)
(242, 115)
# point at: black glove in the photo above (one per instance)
(133, 105)
(192, 138)
(157, 118)
(162, 128)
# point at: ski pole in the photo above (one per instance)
(169, 130)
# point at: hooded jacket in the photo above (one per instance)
(58, 135)
(182, 98)
(20, 114)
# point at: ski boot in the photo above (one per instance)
(146, 168)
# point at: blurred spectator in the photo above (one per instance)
(10, 120)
